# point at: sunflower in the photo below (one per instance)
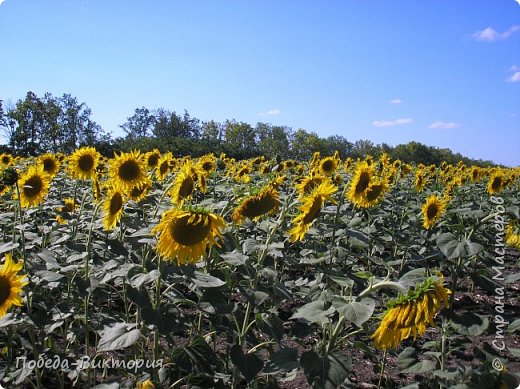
(34, 186)
(152, 158)
(50, 164)
(410, 314)
(145, 384)
(140, 191)
(10, 284)
(183, 186)
(83, 163)
(208, 163)
(360, 183)
(420, 180)
(185, 234)
(309, 183)
(375, 193)
(113, 207)
(496, 182)
(163, 166)
(255, 206)
(432, 210)
(513, 234)
(66, 210)
(310, 210)
(328, 166)
(127, 170)
(6, 160)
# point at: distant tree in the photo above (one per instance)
(304, 144)
(240, 139)
(49, 124)
(363, 148)
(140, 124)
(273, 140)
(340, 144)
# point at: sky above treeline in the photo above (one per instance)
(441, 72)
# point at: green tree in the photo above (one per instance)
(140, 124)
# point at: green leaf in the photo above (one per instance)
(144, 278)
(357, 312)
(283, 359)
(197, 356)
(512, 278)
(248, 364)
(514, 326)
(117, 337)
(342, 281)
(409, 363)
(468, 323)
(8, 247)
(204, 280)
(327, 371)
(515, 352)
(450, 246)
(363, 274)
(413, 277)
(314, 312)
(271, 325)
(234, 258)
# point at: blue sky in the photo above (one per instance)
(441, 72)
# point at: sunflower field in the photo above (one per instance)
(149, 270)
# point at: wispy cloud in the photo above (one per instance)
(391, 123)
(445, 125)
(514, 78)
(395, 101)
(1, 1)
(490, 35)
(272, 112)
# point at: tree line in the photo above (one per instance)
(35, 125)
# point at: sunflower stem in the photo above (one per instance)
(383, 365)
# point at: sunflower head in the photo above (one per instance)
(163, 166)
(6, 160)
(513, 234)
(83, 163)
(33, 186)
(411, 313)
(152, 158)
(496, 182)
(186, 234)
(432, 210)
(127, 170)
(113, 207)
(328, 166)
(9, 176)
(50, 164)
(255, 206)
(310, 209)
(139, 192)
(360, 183)
(207, 163)
(65, 211)
(11, 284)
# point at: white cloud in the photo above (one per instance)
(272, 112)
(490, 35)
(514, 68)
(445, 125)
(514, 78)
(1, 1)
(391, 123)
(395, 101)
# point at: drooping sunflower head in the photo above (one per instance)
(309, 183)
(186, 234)
(421, 180)
(34, 186)
(50, 163)
(328, 166)
(255, 206)
(11, 284)
(411, 313)
(127, 170)
(113, 207)
(83, 163)
(152, 158)
(432, 210)
(496, 182)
